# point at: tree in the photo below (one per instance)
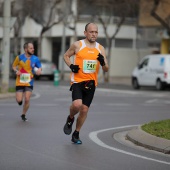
(155, 14)
(165, 22)
(47, 13)
(50, 17)
(71, 20)
(20, 14)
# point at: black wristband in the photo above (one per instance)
(71, 65)
(74, 68)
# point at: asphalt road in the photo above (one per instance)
(41, 144)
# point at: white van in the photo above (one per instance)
(152, 70)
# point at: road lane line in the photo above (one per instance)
(118, 91)
(118, 104)
(37, 95)
(94, 138)
(151, 101)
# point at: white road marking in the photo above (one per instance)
(94, 138)
(45, 104)
(167, 102)
(118, 104)
(118, 91)
(37, 95)
(9, 104)
(131, 92)
(151, 101)
(32, 104)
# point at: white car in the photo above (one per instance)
(48, 69)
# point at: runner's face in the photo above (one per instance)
(91, 33)
(30, 49)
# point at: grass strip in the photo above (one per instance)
(10, 89)
(158, 128)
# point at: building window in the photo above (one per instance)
(123, 43)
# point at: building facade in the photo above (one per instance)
(129, 46)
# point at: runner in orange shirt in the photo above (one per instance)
(88, 56)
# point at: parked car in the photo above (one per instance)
(153, 70)
(48, 69)
(0, 66)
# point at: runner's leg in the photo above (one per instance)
(19, 97)
(75, 107)
(82, 117)
(27, 97)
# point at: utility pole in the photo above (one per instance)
(63, 43)
(6, 45)
(63, 47)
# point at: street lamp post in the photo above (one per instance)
(6, 45)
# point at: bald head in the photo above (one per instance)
(91, 32)
(89, 25)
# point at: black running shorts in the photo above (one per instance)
(79, 91)
(24, 88)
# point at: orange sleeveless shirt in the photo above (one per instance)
(86, 58)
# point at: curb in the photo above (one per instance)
(141, 138)
(7, 95)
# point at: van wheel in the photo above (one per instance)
(135, 83)
(159, 85)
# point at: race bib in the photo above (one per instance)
(25, 78)
(89, 66)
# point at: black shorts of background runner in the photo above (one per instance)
(79, 91)
(24, 88)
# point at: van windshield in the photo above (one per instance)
(144, 63)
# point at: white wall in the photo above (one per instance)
(46, 49)
(126, 32)
(30, 28)
(124, 60)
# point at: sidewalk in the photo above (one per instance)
(7, 95)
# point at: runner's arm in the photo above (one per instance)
(15, 66)
(39, 66)
(105, 67)
(70, 52)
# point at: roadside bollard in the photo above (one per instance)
(56, 78)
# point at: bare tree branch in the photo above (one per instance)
(156, 16)
(118, 27)
(51, 12)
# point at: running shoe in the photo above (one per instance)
(76, 139)
(23, 118)
(20, 103)
(68, 126)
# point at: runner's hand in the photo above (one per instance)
(74, 68)
(38, 72)
(18, 73)
(101, 59)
